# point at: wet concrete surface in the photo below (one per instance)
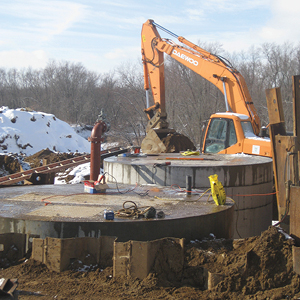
(166, 169)
(66, 211)
(71, 203)
(202, 160)
(247, 179)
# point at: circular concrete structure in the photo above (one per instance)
(64, 211)
(247, 179)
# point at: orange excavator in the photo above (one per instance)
(234, 131)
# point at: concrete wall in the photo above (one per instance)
(247, 180)
(219, 223)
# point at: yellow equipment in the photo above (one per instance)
(217, 190)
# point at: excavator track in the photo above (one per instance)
(58, 166)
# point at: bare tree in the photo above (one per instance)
(131, 100)
(76, 95)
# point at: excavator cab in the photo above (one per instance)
(221, 134)
(231, 133)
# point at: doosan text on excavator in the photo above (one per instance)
(234, 131)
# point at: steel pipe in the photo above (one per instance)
(96, 139)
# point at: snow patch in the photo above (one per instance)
(27, 132)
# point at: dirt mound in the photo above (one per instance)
(168, 265)
(10, 164)
(260, 266)
(42, 154)
(253, 268)
(269, 263)
(36, 160)
(177, 142)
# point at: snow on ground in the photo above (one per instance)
(79, 172)
(24, 132)
(27, 132)
(83, 130)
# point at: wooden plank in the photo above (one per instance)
(296, 105)
(275, 107)
(136, 258)
(52, 253)
(296, 115)
(276, 126)
(296, 259)
(295, 214)
(284, 146)
(106, 250)
(38, 250)
(121, 258)
(58, 254)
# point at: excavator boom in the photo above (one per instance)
(216, 70)
(211, 67)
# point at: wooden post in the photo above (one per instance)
(296, 105)
(295, 191)
(296, 116)
(286, 162)
(295, 214)
(275, 108)
(276, 126)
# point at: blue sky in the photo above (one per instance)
(103, 35)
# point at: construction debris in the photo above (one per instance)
(254, 268)
(8, 287)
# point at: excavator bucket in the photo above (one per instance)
(165, 141)
(152, 144)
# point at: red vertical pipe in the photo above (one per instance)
(96, 139)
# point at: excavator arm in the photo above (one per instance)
(209, 66)
(153, 64)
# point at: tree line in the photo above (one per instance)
(77, 95)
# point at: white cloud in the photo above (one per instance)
(46, 18)
(232, 5)
(64, 19)
(195, 14)
(21, 59)
(103, 34)
(117, 4)
(276, 21)
(116, 54)
(285, 22)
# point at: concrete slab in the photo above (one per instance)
(65, 211)
(234, 170)
(247, 179)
